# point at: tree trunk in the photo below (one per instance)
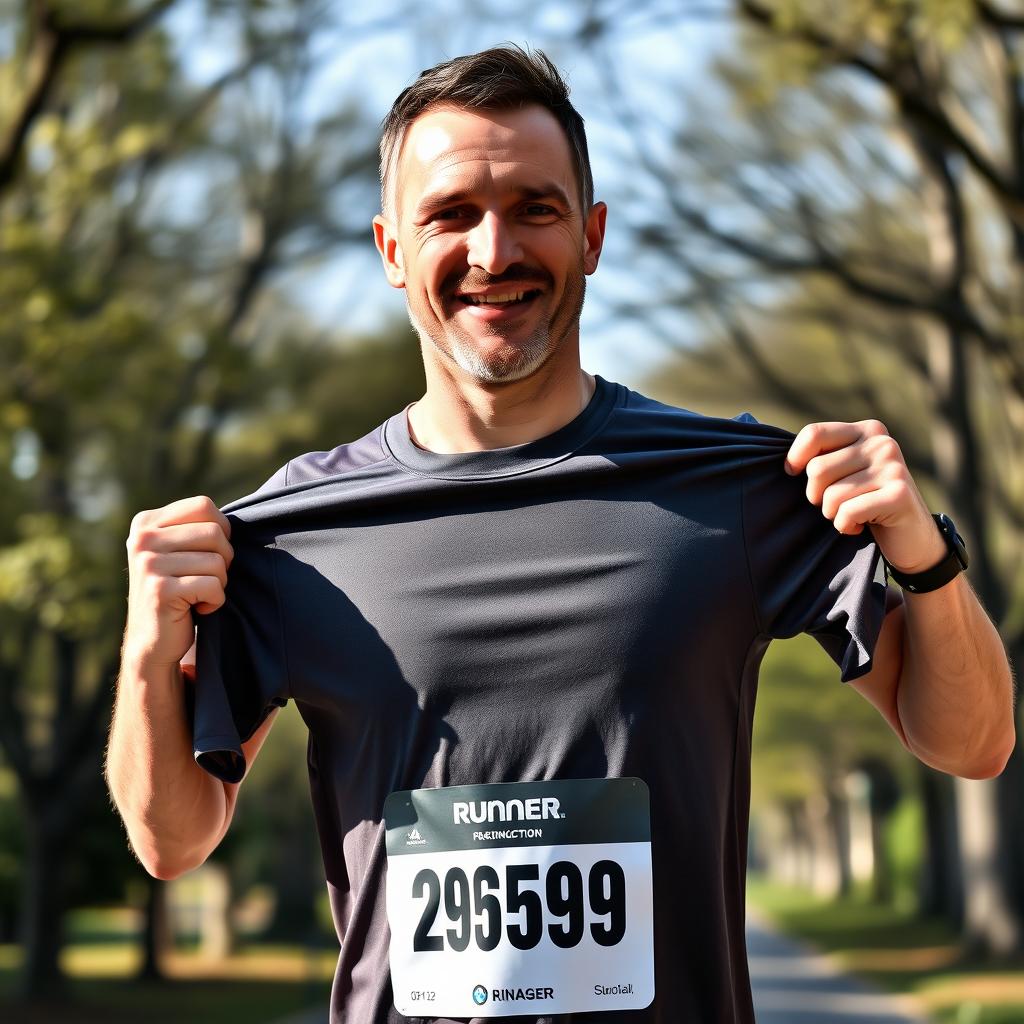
(1010, 807)
(940, 891)
(216, 929)
(881, 875)
(42, 908)
(991, 924)
(298, 882)
(839, 827)
(156, 930)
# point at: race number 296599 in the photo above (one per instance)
(521, 898)
(478, 909)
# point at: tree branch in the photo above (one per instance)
(54, 43)
(916, 105)
(999, 19)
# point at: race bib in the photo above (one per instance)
(520, 898)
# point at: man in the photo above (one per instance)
(523, 618)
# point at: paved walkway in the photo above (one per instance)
(792, 985)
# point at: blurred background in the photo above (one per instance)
(816, 213)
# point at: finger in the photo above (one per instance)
(844, 489)
(817, 438)
(875, 506)
(189, 537)
(825, 470)
(199, 509)
(184, 564)
(203, 593)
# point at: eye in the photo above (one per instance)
(452, 213)
(539, 210)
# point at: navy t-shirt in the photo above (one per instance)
(593, 604)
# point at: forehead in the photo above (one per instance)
(448, 148)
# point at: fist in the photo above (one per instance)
(857, 474)
(178, 558)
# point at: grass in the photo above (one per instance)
(899, 952)
(257, 984)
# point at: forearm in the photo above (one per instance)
(955, 692)
(175, 812)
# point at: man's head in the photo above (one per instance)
(487, 192)
(503, 78)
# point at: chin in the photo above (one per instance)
(497, 370)
(513, 362)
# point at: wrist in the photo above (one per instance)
(935, 551)
(146, 666)
(949, 565)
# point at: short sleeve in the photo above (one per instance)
(807, 577)
(240, 659)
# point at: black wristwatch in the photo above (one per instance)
(952, 565)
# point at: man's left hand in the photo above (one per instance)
(857, 474)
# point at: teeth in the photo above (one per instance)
(491, 300)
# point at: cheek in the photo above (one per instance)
(436, 262)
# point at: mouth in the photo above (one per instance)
(497, 304)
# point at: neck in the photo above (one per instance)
(458, 414)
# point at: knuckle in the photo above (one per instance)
(885, 444)
(873, 427)
(147, 562)
(810, 432)
(899, 490)
(137, 526)
(145, 538)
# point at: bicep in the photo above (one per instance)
(880, 685)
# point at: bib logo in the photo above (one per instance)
(476, 812)
(479, 995)
(414, 838)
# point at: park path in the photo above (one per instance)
(795, 985)
(792, 985)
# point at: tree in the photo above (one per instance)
(148, 348)
(810, 735)
(869, 173)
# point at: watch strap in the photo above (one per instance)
(939, 575)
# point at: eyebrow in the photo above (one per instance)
(547, 190)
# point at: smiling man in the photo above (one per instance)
(523, 618)
(491, 238)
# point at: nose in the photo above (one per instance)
(492, 246)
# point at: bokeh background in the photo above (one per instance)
(816, 212)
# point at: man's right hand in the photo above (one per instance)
(178, 558)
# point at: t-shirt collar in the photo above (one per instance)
(498, 462)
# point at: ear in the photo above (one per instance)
(386, 239)
(593, 236)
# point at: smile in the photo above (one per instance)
(496, 300)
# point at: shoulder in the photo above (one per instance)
(345, 458)
(663, 425)
(307, 471)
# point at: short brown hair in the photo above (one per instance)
(502, 78)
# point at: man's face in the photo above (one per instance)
(491, 244)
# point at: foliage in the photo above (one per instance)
(152, 228)
(809, 729)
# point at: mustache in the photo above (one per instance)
(477, 282)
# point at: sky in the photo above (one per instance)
(374, 65)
